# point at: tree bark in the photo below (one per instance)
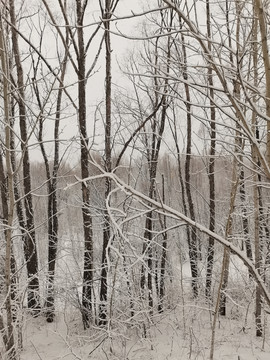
(8, 206)
(259, 10)
(242, 190)
(87, 310)
(30, 248)
(52, 205)
(211, 168)
(259, 23)
(161, 292)
(108, 167)
(152, 159)
(194, 248)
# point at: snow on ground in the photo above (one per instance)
(182, 333)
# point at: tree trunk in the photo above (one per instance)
(52, 205)
(242, 191)
(8, 206)
(30, 248)
(211, 168)
(221, 302)
(238, 151)
(258, 260)
(194, 248)
(108, 167)
(147, 247)
(152, 159)
(163, 255)
(183, 193)
(259, 23)
(87, 310)
(259, 10)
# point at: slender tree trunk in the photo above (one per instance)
(4, 202)
(220, 307)
(245, 223)
(238, 151)
(108, 168)
(17, 195)
(221, 302)
(87, 310)
(52, 206)
(129, 286)
(258, 259)
(52, 202)
(30, 248)
(146, 275)
(157, 285)
(147, 249)
(186, 194)
(211, 167)
(3, 179)
(194, 248)
(8, 208)
(163, 255)
(242, 189)
(259, 23)
(260, 12)
(148, 233)
(153, 156)
(80, 51)
(183, 193)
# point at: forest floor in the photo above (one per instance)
(182, 333)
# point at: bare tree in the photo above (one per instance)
(211, 165)
(87, 219)
(153, 145)
(106, 16)
(30, 248)
(194, 246)
(51, 175)
(8, 205)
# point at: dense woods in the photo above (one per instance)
(134, 173)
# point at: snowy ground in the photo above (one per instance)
(169, 337)
(182, 332)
